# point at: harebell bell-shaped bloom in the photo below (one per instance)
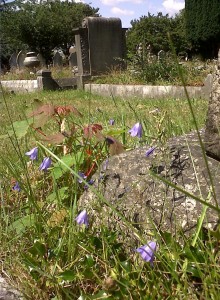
(32, 153)
(136, 130)
(16, 187)
(82, 218)
(46, 163)
(147, 252)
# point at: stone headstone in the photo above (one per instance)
(72, 60)
(42, 60)
(13, 62)
(20, 59)
(100, 46)
(57, 60)
(161, 55)
(127, 184)
(212, 132)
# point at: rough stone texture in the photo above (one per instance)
(141, 198)
(212, 133)
(7, 292)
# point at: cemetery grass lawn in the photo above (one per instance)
(46, 254)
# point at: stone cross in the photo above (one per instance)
(212, 131)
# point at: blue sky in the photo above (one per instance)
(128, 10)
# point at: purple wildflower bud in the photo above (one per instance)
(32, 153)
(112, 122)
(16, 187)
(90, 182)
(82, 175)
(82, 218)
(136, 130)
(150, 151)
(147, 252)
(46, 163)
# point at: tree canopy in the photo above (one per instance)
(203, 25)
(41, 25)
(154, 30)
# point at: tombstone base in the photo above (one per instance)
(81, 80)
(45, 81)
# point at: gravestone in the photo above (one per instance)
(72, 60)
(212, 132)
(20, 59)
(57, 60)
(100, 46)
(42, 60)
(161, 55)
(13, 62)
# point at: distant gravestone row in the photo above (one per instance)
(16, 60)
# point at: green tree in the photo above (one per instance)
(154, 30)
(41, 26)
(203, 26)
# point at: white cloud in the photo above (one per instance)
(173, 6)
(124, 12)
(115, 2)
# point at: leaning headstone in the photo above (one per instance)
(13, 62)
(212, 132)
(57, 60)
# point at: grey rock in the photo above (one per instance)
(128, 185)
(7, 292)
(212, 134)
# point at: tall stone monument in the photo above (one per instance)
(100, 46)
(212, 131)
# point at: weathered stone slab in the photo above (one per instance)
(7, 292)
(128, 185)
(212, 132)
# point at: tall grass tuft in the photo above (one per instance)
(46, 250)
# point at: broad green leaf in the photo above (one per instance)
(70, 160)
(67, 275)
(60, 194)
(20, 127)
(38, 249)
(21, 224)
(101, 295)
